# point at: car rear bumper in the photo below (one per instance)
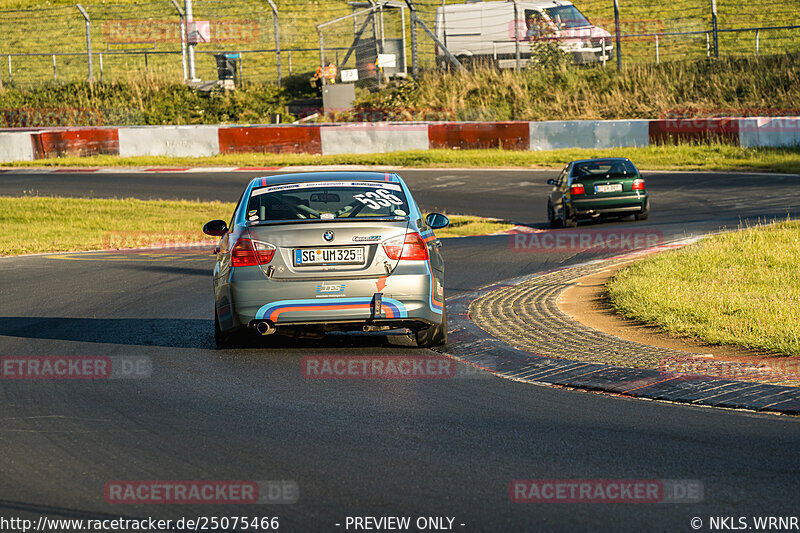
(408, 300)
(617, 204)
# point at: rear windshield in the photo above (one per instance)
(327, 200)
(604, 168)
(566, 17)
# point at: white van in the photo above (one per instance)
(485, 31)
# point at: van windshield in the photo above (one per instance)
(566, 17)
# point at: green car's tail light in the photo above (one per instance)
(577, 188)
(638, 184)
(251, 253)
(410, 247)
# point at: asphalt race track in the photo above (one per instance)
(414, 448)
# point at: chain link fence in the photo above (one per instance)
(641, 32)
(48, 43)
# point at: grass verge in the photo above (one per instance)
(740, 288)
(719, 157)
(48, 224)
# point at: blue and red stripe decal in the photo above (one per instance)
(391, 308)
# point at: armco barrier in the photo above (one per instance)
(770, 131)
(378, 137)
(16, 147)
(75, 142)
(556, 134)
(373, 137)
(693, 130)
(272, 139)
(176, 141)
(480, 135)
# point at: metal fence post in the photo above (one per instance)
(444, 23)
(378, 50)
(189, 20)
(756, 43)
(414, 51)
(616, 32)
(714, 28)
(277, 40)
(657, 57)
(183, 38)
(54, 67)
(516, 34)
(88, 41)
(321, 53)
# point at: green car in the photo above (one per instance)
(593, 188)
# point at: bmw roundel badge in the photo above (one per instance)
(328, 236)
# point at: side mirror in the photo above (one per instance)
(215, 228)
(551, 182)
(437, 221)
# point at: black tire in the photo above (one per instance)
(644, 214)
(568, 221)
(551, 216)
(226, 339)
(434, 335)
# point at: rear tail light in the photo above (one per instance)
(577, 188)
(410, 247)
(638, 185)
(247, 252)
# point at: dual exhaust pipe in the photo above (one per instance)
(264, 327)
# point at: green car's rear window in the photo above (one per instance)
(607, 167)
(326, 200)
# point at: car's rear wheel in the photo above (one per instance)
(226, 339)
(434, 335)
(566, 220)
(644, 214)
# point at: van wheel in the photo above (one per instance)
(434, 335)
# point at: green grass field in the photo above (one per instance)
(48, 224)
(719, 157)
(740, 288)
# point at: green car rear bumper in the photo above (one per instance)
(632, 203)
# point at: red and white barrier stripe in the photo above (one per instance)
(380, 137)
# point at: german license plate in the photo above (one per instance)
(614, 187)
(328, 256)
